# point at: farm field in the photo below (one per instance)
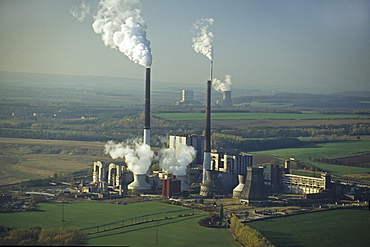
(253, 115)
(22, 163)
(17, 168)
(340, 227)
(247, 123)
(76, 144)
(328, 150)
(181, 231)
(341, 170)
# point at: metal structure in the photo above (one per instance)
(305, 185)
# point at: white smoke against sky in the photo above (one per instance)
(202, 42)
(80, 12)
(138, 159)
(176, 160)
(121, 26)
(222, 86)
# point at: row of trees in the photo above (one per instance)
(43, 237)
(268, 132)
(246, 235)
(344, 162)
(237, 142)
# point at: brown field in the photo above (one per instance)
(20, 165)
(264, 159)
(76, 144)
(34, 166)
(247, 123)
(357, 159)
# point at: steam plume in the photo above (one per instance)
(176, 160)
(222, 86)
(121, 26)
(202, 43)
(138, 159)
(81, 12)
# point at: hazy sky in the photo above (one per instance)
(260, 43)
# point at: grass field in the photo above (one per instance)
(327, 150)
(341, 227)
(252, 115)
(182, 231)
(17, 168)
(21, 163)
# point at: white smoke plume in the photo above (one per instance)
(138, 159)
(202, 43)
(176, 160)
(122, 27)
(222, 86)
(81, 12)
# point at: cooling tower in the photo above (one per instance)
(212, 185)
(254, 189)
(239, 188)
(226, 99)
(139, 183)
(207, 138)
(146, 139)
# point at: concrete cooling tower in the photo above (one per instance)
(139, 183)
(226, 99)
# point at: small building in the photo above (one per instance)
(171, 188)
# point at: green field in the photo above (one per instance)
(340, 170)
(342, 227)
(252, 115)
(327, 150)
(181, 231)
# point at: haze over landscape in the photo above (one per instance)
(304, 46)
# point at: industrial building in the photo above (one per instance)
(191, 140)
(187, 98)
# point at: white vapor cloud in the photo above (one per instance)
(222, 86)
(202, 42)
(121, 26)
(138, 158)
(176, 160)
(80, 12)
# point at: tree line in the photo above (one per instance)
(247, 236)
(237, 142)
(35, 235)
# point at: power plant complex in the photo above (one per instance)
(189, 164)
(207, 170)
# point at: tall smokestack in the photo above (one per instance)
(147, 109)
(207, 139)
